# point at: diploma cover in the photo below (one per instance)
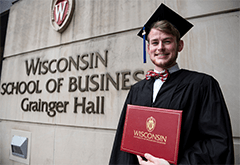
(152, 130)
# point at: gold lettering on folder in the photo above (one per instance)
(150, 126)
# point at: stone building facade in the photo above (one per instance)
(65, 90)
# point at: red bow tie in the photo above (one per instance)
(163, 75)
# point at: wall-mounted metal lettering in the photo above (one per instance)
(89, 107)
(21, 87)
(52, 85)
(51, 108)
(87, 83)
(82, 62)
(120, 80)
(93, 82)
(54, 107)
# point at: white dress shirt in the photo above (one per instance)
(158, 83)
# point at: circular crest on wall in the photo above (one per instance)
(61, 14)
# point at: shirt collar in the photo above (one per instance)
(171, 70)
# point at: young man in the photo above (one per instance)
(163, 45)
(206, 135)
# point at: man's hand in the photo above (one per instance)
(151, 160)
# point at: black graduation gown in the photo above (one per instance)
(206, 134)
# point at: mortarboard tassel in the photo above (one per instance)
(144, 45)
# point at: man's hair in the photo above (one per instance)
(166, 27)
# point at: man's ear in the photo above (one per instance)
(148, 48)
(180, 45)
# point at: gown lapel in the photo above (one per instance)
(166, 92)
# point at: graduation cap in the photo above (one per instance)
(164, 13)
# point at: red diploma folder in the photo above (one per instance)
(152, 130)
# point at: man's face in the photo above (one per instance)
(163, 49)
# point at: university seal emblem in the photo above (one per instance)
(61, 14)
(150, 124)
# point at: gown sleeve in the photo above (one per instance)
(214, 144)
(117, 156)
